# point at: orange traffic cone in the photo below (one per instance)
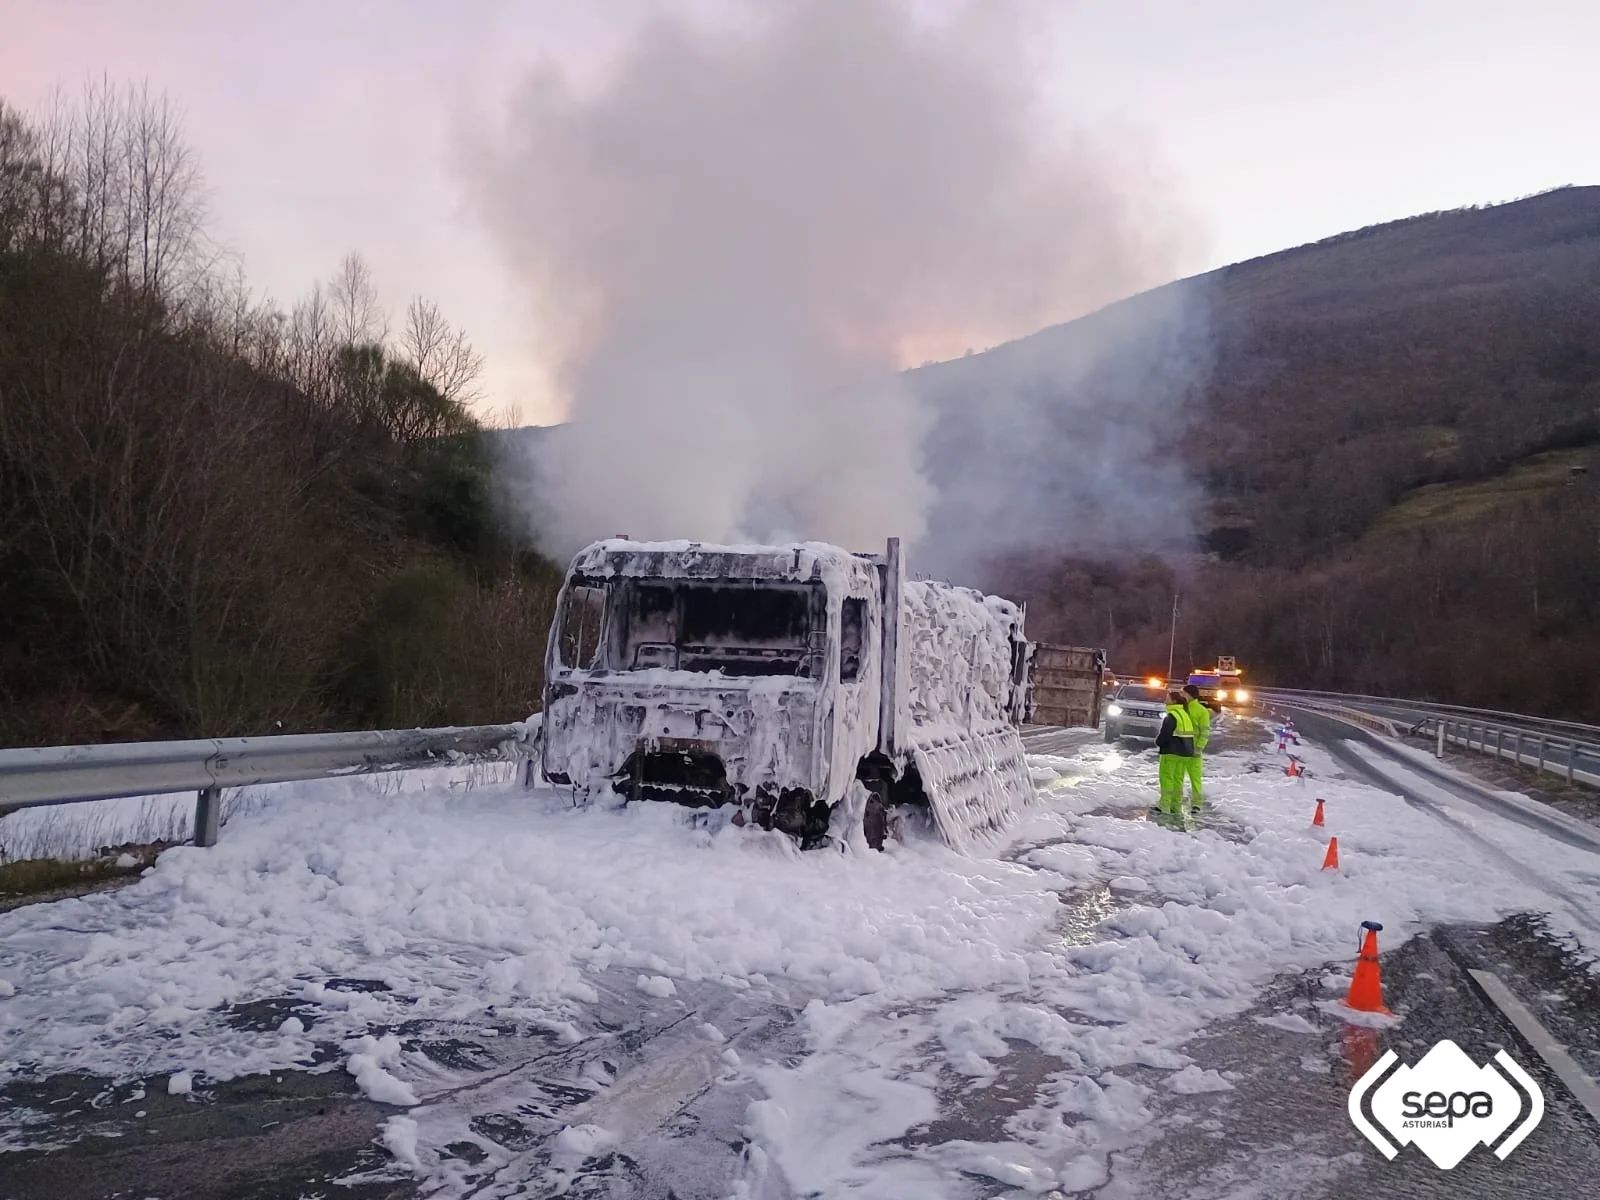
(1317, 819)
(1366, 985)
(1330, 860)
(1293, 769)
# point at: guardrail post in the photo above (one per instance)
(1572, 754)
(1517, 749)
(207, 815)
(1439, 753)
(1541, 751)
(1499, 743)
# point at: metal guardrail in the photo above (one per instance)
(1575, 761)
(1569, 749)
(1340, 712)
(32, 777)
(1576, 729)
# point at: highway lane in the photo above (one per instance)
(1583, 756)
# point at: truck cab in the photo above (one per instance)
(715, 675)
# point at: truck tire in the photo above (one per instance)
(1111, 733)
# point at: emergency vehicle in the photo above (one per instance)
(1220, 685)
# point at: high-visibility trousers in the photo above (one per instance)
(1192, 768)
(1170, 771)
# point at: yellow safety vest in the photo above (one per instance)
(1183, 723)
(1200, 716)
(1182, 731)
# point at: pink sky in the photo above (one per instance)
(327, 127)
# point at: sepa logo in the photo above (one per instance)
(1447, 1104)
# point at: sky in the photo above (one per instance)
(327, 127)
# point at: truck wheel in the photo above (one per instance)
(1111, 734)
(875, 820)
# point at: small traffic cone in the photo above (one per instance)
(1366, 985)
(1317, 819)
(1330, 860)
(1293, 769)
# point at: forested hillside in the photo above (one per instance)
(221, 517)
(224, 516)
(1395, 436)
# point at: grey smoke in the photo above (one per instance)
(1069, 440)
(737, 235)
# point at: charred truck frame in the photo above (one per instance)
(786, 682)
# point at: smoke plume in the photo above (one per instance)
(1070, 440)
(737, 235)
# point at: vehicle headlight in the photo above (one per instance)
(1222, 693)
(1114, 709)
(1241, 695)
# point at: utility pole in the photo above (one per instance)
(1172, 641)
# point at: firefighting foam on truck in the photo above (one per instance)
(802, 688)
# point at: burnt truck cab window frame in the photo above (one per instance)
(852, 638)
(739, 627)
(583, 623)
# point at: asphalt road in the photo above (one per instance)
(639, 1066)
(1043, 739)
(1584, 758)
(1281, 1131)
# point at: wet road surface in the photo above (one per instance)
(642, 1068)
(1282, 1131)
(1339, 737)
(257, 1138)
(1042, 739)
(1581, 757)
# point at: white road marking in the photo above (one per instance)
(1555, 1055)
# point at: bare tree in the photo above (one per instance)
(52, 220)
(22, 174)
(94, 148)
(441, 354)
(502, 417)
(162, 210)
(312, 346)
(116, 161)
(358, 318)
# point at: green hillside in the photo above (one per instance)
(1381, 433)
(1535, 477)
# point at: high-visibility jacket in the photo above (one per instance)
(1177, 733)
(1201, 716)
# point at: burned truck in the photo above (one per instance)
(804, 687)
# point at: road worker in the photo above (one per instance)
(1200, 715)
(1175, 743)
